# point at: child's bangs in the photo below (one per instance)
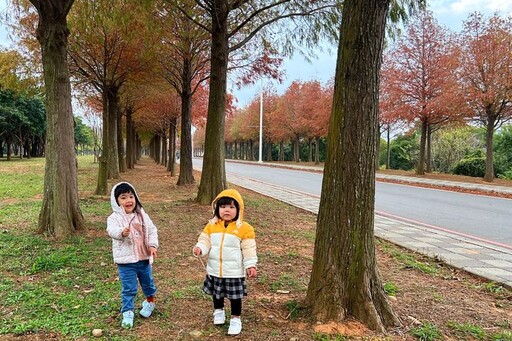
(226, 201)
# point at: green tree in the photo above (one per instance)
(60, 214)
(403, 153)
(83, 134)
(502, 148)
(34, 122)
(451, 145)
(15, 74)
(10, 119)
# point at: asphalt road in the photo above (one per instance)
(477, 216)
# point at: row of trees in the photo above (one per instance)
(22, 110)
(22, 124)
(140, 63)
(300, 115)
(458, 150)
(432, 79)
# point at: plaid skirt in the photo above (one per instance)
(232, 288)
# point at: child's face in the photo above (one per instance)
(127, 200)
(227, 212)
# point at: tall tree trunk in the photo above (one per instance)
(60, 215)
(113, 113)
(120, 142)
(345, 281)
(317, 150)
(310, 151)
(157, 148)
(102, 184)
(489, 134)
(8, 142)
(165, 148)
(186, 168)
(428, 157)
(171, 165)
(388, 146)
(213, 175)
(251, 150)
(269, 151)
(29, 148)
(420, 167)
(129, 139)
(281, 150)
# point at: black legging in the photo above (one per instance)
(236, 305)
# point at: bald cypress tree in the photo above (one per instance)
(60, 214)
(345, 281)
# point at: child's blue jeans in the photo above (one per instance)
(128, 275)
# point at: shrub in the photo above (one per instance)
(471, 165)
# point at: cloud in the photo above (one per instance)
(465, 7)
(452, 13)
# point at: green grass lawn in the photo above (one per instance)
(51, 287)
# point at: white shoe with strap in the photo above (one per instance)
(147, 308)
(219, 316)
(235, 326)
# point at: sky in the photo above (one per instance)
(450, 13)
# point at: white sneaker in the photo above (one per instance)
(219, 316)
(235, 326)
(147, 308)
(127, 319)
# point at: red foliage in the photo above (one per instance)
(418, 76)
(486, 68)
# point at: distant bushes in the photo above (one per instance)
(471, 165)
(474, 165)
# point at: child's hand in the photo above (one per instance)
(251, 272)
(196, 251)
(126, 232)
(152, 251)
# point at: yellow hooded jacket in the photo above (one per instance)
(231, 249)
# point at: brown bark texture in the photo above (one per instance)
(420, 167)
(345, 281)
(120, 143)
(186, 171)
(171, 166)
(102, 184)
(60, 214)
(489, 134)
(213, 175)
(111, 141)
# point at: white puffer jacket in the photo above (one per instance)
(123, 248)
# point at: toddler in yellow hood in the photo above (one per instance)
(229, 244)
